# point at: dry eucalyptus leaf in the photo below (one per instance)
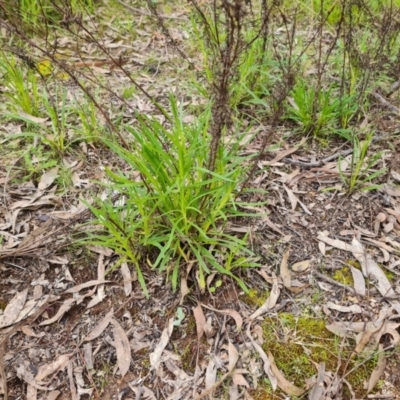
(51, 368)
(372, 270)
(265, 359)
(284, 270)
(283, 383)
(301, 266)
(29, 332)
(85, 285)
(355, 308)
(200, 320)
(270, 302)
(123, 348)
(233, 356)
(359, 281)
(155, 356)
(231, 313)
(68, 303)
(100, 327)
(126, 274)
(378, 370)
(48, 178)
(14, 307)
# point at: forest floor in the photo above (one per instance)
(321, 317)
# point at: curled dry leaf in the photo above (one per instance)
(100, 327)
(122, 347)
(283, 383)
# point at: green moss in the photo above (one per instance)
(255, 297)
(3, 304)
(297, 342)
(344, 275)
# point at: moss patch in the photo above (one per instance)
(297, 342)
(255, 298)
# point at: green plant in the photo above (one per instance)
(318, 111)
(178, 206)
(360, 166)
(21, 87)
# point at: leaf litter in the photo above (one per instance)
(227, 338)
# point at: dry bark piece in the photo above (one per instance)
(123, 348)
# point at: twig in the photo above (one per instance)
(385, 103)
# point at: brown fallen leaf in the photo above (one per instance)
(126, 275)
(372, 270)
(359, 282)
(62, 310)
(318, 389)
(284, 270)
(123, 348)
(31, 393)
(270, 302)
(231, 313)
(52, 368)
(85, 285)
(29, 332)
(53, 395)
(14, 307)
(100, 327)
(378, 370)
(301, 266)
(283, 383)
(155, 356)
(265, 359)
(200, 320)
(48, 178)
(239, 380)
